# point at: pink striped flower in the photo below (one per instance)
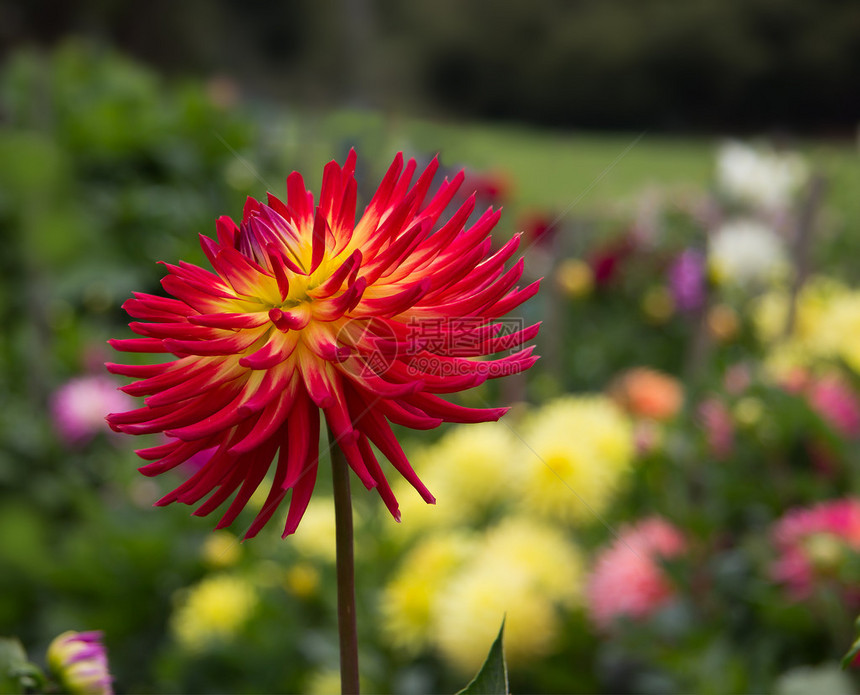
(79, 662)
(628, 580)
(309, 311)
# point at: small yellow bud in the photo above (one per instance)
(748, 411)
(574, 278)
(221, 549)
(302, 580)
(658, 305)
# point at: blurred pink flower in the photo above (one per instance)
(628, 580)
(737, 378)
(79, 407)
(836, 404)
(716, 420)
(812, 544)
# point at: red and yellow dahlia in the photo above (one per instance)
(307, 310)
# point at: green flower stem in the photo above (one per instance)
(346, 622)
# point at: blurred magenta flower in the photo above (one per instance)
(607, 260)
(837, 404)
(79, 407)
(627, 580)
(79, 662)
(307, 310)
(813, 544)
(687, 280)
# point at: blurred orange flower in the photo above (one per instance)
(647, 393)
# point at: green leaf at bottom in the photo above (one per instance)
(492, 679)
(15, 670)
(848, 659)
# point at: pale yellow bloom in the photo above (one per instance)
(213, 611)
(315, 539)
(323, 683)
(574, 277)
(417, 516)
(548, 561)
(575, 453)
(473, 465)
(471, 609)
(221, 549)
(658, 304)
(302, 580)
(748, 411)
(408, 600)
(469, 470)
(826, 326)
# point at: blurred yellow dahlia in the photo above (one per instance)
(452, 592)
(213, 611)
(473, 465)
(524, 571)
(409, 599)
(550, 563)
(308, 310)
(575, 452)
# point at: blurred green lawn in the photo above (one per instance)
(554, 169)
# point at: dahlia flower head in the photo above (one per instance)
(79, 662)
(308, 310)
(628, 580)
(813, 543)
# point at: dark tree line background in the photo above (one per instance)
(671, 65)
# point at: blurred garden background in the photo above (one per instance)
(672, 504)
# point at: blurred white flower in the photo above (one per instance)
(762, 178)
(746, 251)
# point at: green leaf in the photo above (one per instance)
(492, 679)
(17, 674)
(855, 648)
